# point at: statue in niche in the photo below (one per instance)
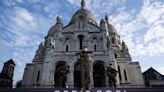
(111, 73)
(52, 43)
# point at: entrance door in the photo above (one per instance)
(99, 74)
(77, 75)
(61, 74)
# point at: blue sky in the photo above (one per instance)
(25, 23)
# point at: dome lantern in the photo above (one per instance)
(82, 4)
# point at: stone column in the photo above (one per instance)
(70, 78)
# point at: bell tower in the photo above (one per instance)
(6, 76)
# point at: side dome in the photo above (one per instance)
(83, 14)
(112, 29)
(52, 30)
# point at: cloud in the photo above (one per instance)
(143, 31)
(75, 2)
(160, 69)
(152, 12)
(154, 33)
(19, 23)
(24, 30)
(8, 2)
(52, 8)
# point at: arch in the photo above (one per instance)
(68, 36)
(99, 75)
(94, 37)
(94, 40)
(61, 71)
(77, 75)
(66, 39)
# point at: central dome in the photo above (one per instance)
(83, 14)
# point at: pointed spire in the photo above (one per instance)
(40, 48)
(82, 4)
(124, 46)
(125, 51)
(102, 21)
(41, 45)
(123, 43)
(106, 17)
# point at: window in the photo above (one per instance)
(125, 75)
(119, 73)
(113, 40)
(115, 55)
(66, 49)
(38, 76)
(81, 37)
(95, 49)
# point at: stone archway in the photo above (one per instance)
(61, 71)
(77, 75)
(99, 74)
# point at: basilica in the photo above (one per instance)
(97, 46)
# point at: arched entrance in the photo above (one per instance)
(99, 74)
(61, 72)
(77, 75)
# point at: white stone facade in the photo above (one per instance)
(63, 42)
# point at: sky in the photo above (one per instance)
(25, 23)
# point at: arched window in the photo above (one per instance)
(95, 48)
(81, 37)
(125, 75)
(113, 40)
(119, 71)
(66, 48)
(38, 76)
(67, 42)
(115, 55)
(95, 43)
